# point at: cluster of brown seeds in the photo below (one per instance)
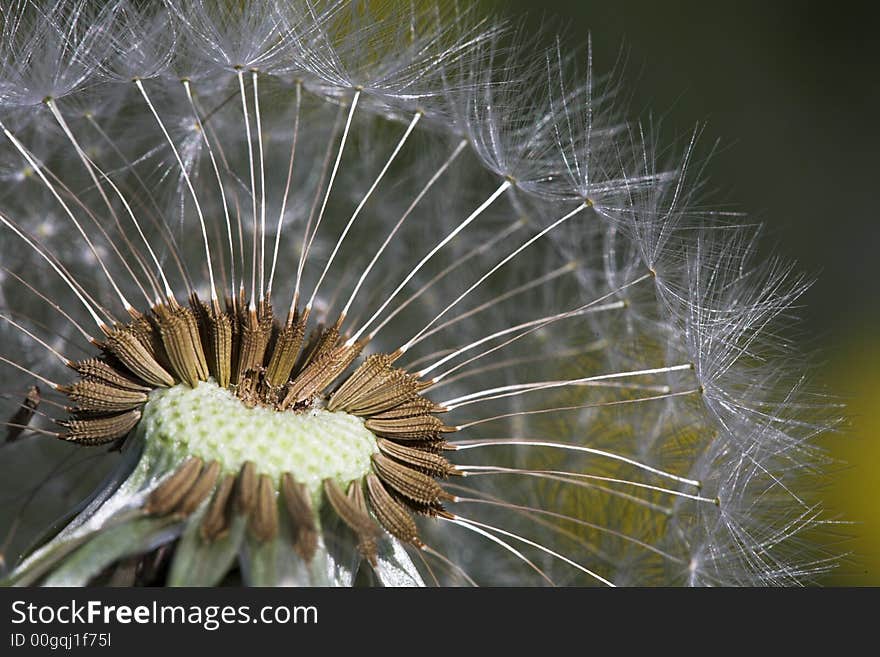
(264, 362)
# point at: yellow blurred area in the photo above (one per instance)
(854, 491)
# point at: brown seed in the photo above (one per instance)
(180, 337)
(299, 508)
(256, 329)
(200, 490)
(285, 353)
(94, 369)
(131, 352)
(216, 330)
(321, 341)
(392, 515)
(356, 519)
(412, 484)
(420, 427)
(101, 397)
(246, 488)
(429, 462)
(264, 517)
(23, 414)
(215, 524)
(172, 490)
(308, 382)
(364, 379)
(414, 407)
(99, 430)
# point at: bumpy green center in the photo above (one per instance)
(210, 422)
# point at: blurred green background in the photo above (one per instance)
(792, 91)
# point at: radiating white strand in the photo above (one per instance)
(460, 519)
(557, 409)
(39, 171)
(286, 187)
(453, 266)
(22, 368)
(536, 282)
(90, 168)
(259, 127)
(460, 445)
(616, 305)
(418, 336)
(572, 519)
(57, 270)
(520, 388)
(251, 169)
(506, 546)
(50, 302)
(192, 103)
(363, 202)
(531, 326)
(35, 338)
(161, 226)
(476, 470)
(428, 185)
(354, 102)
(308, 233)
(140, 85)
(464, 224)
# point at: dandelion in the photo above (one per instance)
(358, 293)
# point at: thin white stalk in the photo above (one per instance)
(50, 302)
(192, 103)
(418, 336)
(537, 282)
(476, 470)
(342, 142)
(461, 445)
(90, 168)
(259, 127)
(64, 359)
(460, 519)
(577, 521)
(556, 409)
(286, 187)
(428, 185)
(521, 388)
(39, 171)
(531, 326)
(616, 305)
(22, 368)
(363, 202)
(453, 266)
(140, 85)
(308, 233)
(251, 168)
(67, 280)
(461, 522)
(464, 224)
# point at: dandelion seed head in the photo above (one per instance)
(466, 321)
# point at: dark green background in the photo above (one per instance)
(792, 90)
